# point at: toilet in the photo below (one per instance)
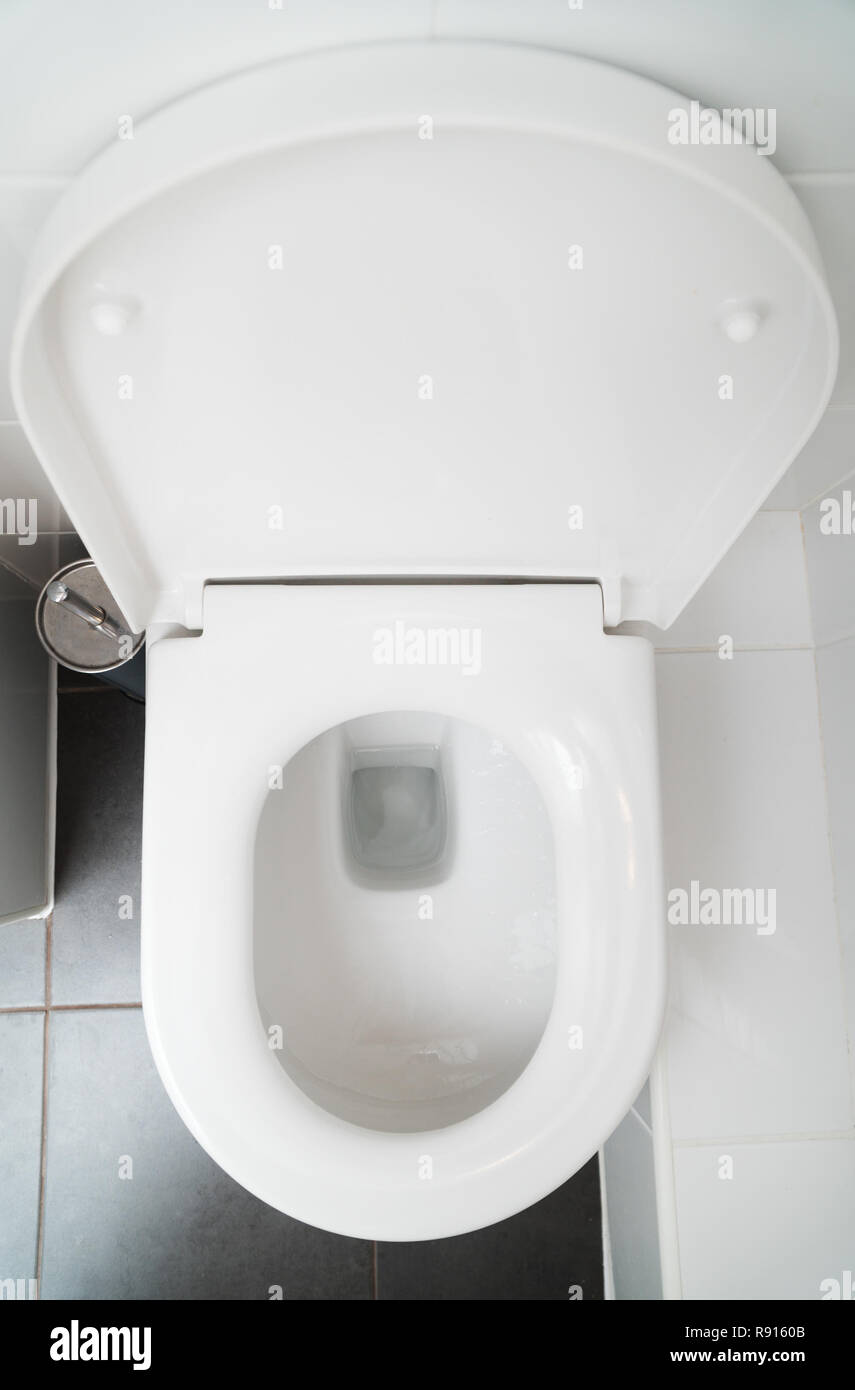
(384, 386)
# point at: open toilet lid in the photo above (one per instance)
(424, 309)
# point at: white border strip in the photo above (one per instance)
(663, 1163)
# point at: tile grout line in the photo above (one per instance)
(40, 1219)
(77, 1008)
(835, 875)
(48, 958)
(738, 650)
(814, 1136)
(64, 1008)
(829, 487)
(848, 1038)
(664, 1169)
(641, 1120)
(373, 1275)
(820, 178)
(835, 640)
(99, 689)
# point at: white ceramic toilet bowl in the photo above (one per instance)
(479, 318)
(465, 1062)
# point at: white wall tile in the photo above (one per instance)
(23, 208)
(831, 209)
(836, 671)
(828, 457)
(772, 53)
(781, 1226)
(757, 594)
(831, 567)
(33, 563)
(756, 1038)
(68, 72)
(631, 1201)
(641, 1104)
(21, 476)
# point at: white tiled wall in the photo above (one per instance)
(745, 807)
(830, 204)
(836, 670)
(24, 204)
(757, 597)
(22, 477)
(830, 565)
(831, 576)
(757, 1066)
(827, 458)
(779, 1228)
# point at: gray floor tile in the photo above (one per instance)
(631, 1200)
(76, 682)
(26, 682)
(21, 1054)
(22, 964)
(537, 1255)
(95, 951)
(179, 1228)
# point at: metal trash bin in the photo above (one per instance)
(82, 627)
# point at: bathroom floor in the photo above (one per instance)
(103, 1191)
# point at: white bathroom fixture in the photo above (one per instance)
(379, 382)
(454, 1045)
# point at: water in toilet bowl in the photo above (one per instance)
(404, 920)
(396, 817)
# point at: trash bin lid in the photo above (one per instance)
(79, 643)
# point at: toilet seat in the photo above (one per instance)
(275, 666)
